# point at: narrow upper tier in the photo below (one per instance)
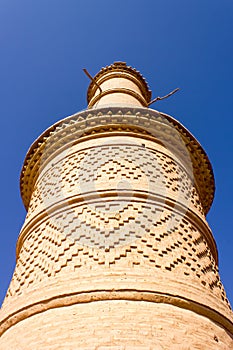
(118, 84)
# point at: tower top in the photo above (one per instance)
(118, 90)
(118, 83)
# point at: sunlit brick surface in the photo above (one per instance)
(115, 252)
(117, 325)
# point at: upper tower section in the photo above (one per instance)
(118, 84)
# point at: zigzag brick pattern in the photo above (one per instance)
(115, 252)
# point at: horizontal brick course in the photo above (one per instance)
(115, 252)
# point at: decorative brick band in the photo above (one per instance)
(143, 121)
(155, 199)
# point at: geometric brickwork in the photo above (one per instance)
(118, 165)
(115, 252)
(181, 250)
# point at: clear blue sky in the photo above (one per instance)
(45, 44)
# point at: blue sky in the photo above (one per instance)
(44, 46)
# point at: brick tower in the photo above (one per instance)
(115, 252)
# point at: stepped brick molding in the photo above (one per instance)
(115, 251)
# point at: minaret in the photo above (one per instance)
(115, 252)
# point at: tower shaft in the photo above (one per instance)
(115, 252)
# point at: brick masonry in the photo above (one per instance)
(115, 252)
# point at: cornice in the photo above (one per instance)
(140, 121)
